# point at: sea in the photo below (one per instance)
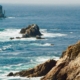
(60, 26)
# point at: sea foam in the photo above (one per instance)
(6, 34)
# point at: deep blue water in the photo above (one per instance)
(60, 26)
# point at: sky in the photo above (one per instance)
(43, 2)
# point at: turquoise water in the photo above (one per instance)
(59, 25)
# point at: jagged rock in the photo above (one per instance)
(31, 31)
(68, 66)
(10, 74)
(11, 38)
(18, 37)
(39, 70)
(2, 15)
(23, 30)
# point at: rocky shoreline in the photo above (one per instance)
(66, 68)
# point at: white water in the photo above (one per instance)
(6, 34)
(4, 70)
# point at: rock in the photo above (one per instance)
(39, 70)
(12, 38)
(31, 31)
(68, 66)
(2, 15)
(15, 38)
(10, 74)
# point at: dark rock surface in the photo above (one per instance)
(39, 70)
(39, 37)
(2, 15)
(10, 74)
(31, 31)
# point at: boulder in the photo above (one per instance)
(39, 70)
(31, 31)
(10, 74)
(11, 38)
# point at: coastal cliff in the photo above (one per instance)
(66, 68)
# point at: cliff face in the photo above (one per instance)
(66, 68)
(30, 31)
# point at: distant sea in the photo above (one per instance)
(60, 25)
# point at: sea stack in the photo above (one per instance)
(2, 15)
(31, 31)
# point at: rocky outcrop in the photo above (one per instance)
(39, 70)
(31, 31)
(2, 15)
(66, 68)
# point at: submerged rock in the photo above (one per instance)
(30, 31)
(11, 38)
(10, 74)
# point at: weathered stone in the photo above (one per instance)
(68, 66)
(23, 30)
(11, 38)
(2, 15)
(18, 37)
(10, 74)
(39, 70)
(39, 37)
(31, 31)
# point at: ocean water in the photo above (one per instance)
(60, 25)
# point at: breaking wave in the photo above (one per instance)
(5, 34)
